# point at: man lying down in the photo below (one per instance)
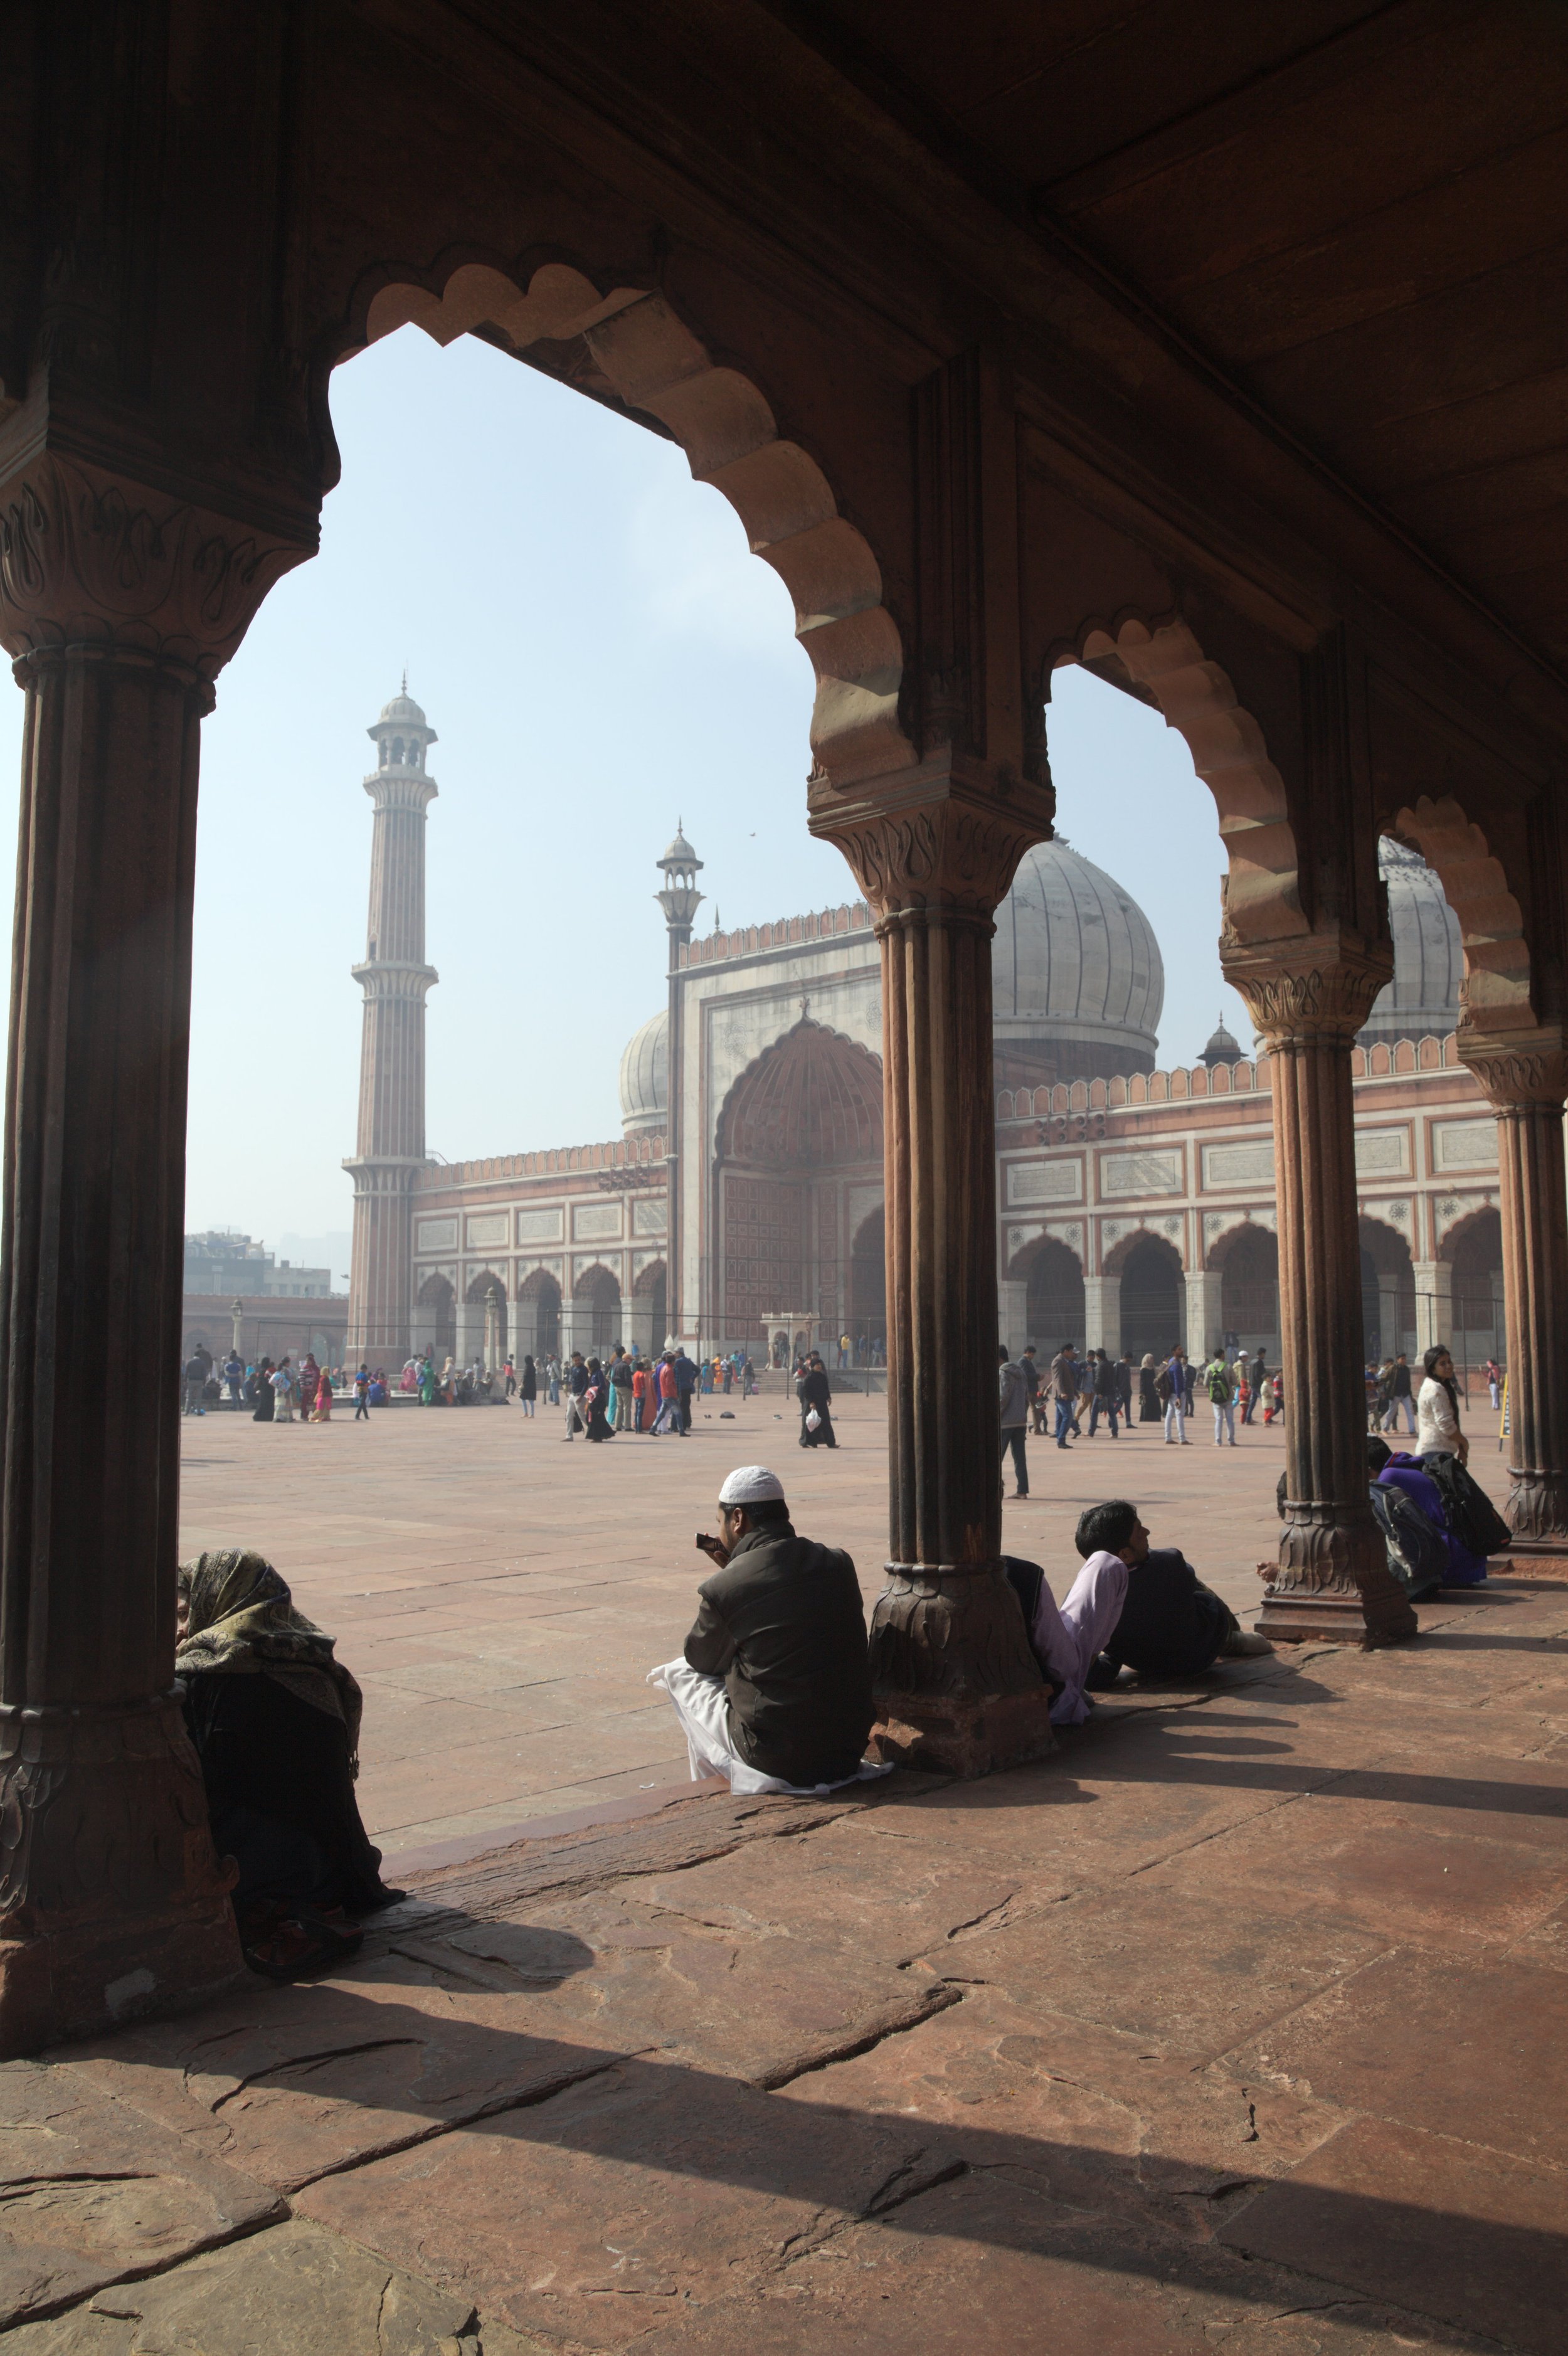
(1132, 1606)
(773, 1688)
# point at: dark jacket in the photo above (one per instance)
(783, 1624)
(814, 1389)
(1171, 1625)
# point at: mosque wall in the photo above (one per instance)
(1179, 1165)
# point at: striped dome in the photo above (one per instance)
(644, 1077)
(1075, 967)
(1423, 1000)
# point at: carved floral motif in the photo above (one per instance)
(85, 558)
(958, 854)
(1319, 989)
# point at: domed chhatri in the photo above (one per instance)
(644, 1077)
(402, 734)
(1077, 979)
(1423, 998)
(1224, 1047)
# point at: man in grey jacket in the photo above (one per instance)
(1013, 1384)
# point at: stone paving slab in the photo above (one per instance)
(91, 2193)
(296, 2290)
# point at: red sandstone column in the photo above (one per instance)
(1307, 1002)
(1526, 1079)
(957, 1683)
(117, 605)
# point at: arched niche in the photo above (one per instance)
(1153, 1318)
(538, 1314)
(1053, 1275)
(800, 1130)
(435, 1319)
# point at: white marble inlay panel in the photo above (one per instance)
(1140, 1173)
(1464, 1145)
(1250, 1164)
(1045, 1182)
(596, 1219)
(541, 1227)
(437, 1235)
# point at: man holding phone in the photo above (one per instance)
(774, 1690)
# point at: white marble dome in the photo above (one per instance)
(644, 1077)
(1423, 998)
(1077, 979)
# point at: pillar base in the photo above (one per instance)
(112, 1903)
(958, 1688)
(1537, 1510)
(964, 1737)
(1333, 1583)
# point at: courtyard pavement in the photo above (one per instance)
(1239, 2023)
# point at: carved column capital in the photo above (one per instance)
(1318, 990)
(945, 839)
(1519, 1071)
(92, 559)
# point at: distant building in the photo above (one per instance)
(222, 1261)
(283, 1309)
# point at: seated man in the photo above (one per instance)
(1171, 1625)
(1065, 1640)
(774, 1689)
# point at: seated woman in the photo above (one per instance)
(275, 1722)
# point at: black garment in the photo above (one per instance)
(1013, 1437)
(1473, 1518)
(1417, 1550)
(1171, 1625)
(266, 1397)
(814, 1390)
(1148, 1396)
(1124, 1386)
(1026, 1580)
(530, 1384)
(280, 1793)
(1105, 1384)
(1399, 1383)
(599, 1424)
(783, 1624)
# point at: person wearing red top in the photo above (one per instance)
(668, 1415)
(641, 1383)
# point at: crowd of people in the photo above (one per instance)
(1051, 1402)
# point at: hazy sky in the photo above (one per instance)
(599, 654)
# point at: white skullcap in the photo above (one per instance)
(751, 1485)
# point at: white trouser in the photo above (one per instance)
(1070, 1638)
(1224, 1420)
(702, 1706)
(1176, 1420)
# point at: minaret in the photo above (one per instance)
(680, 900)
(395, 978)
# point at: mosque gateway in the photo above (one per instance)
(1136, 1199)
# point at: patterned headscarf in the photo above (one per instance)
(242, 1622)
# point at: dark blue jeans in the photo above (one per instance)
(1013, 1437)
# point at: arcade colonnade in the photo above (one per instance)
(968, 464)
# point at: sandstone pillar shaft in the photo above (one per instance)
(1332, 1578)
(117, 605)
(957, 1683)
(1526, 1081)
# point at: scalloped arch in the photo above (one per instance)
(1263, 899)
(1496, 993)
(488, 1281)
(724, 424)
(1042, 1248)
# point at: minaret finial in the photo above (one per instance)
(405, 679)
